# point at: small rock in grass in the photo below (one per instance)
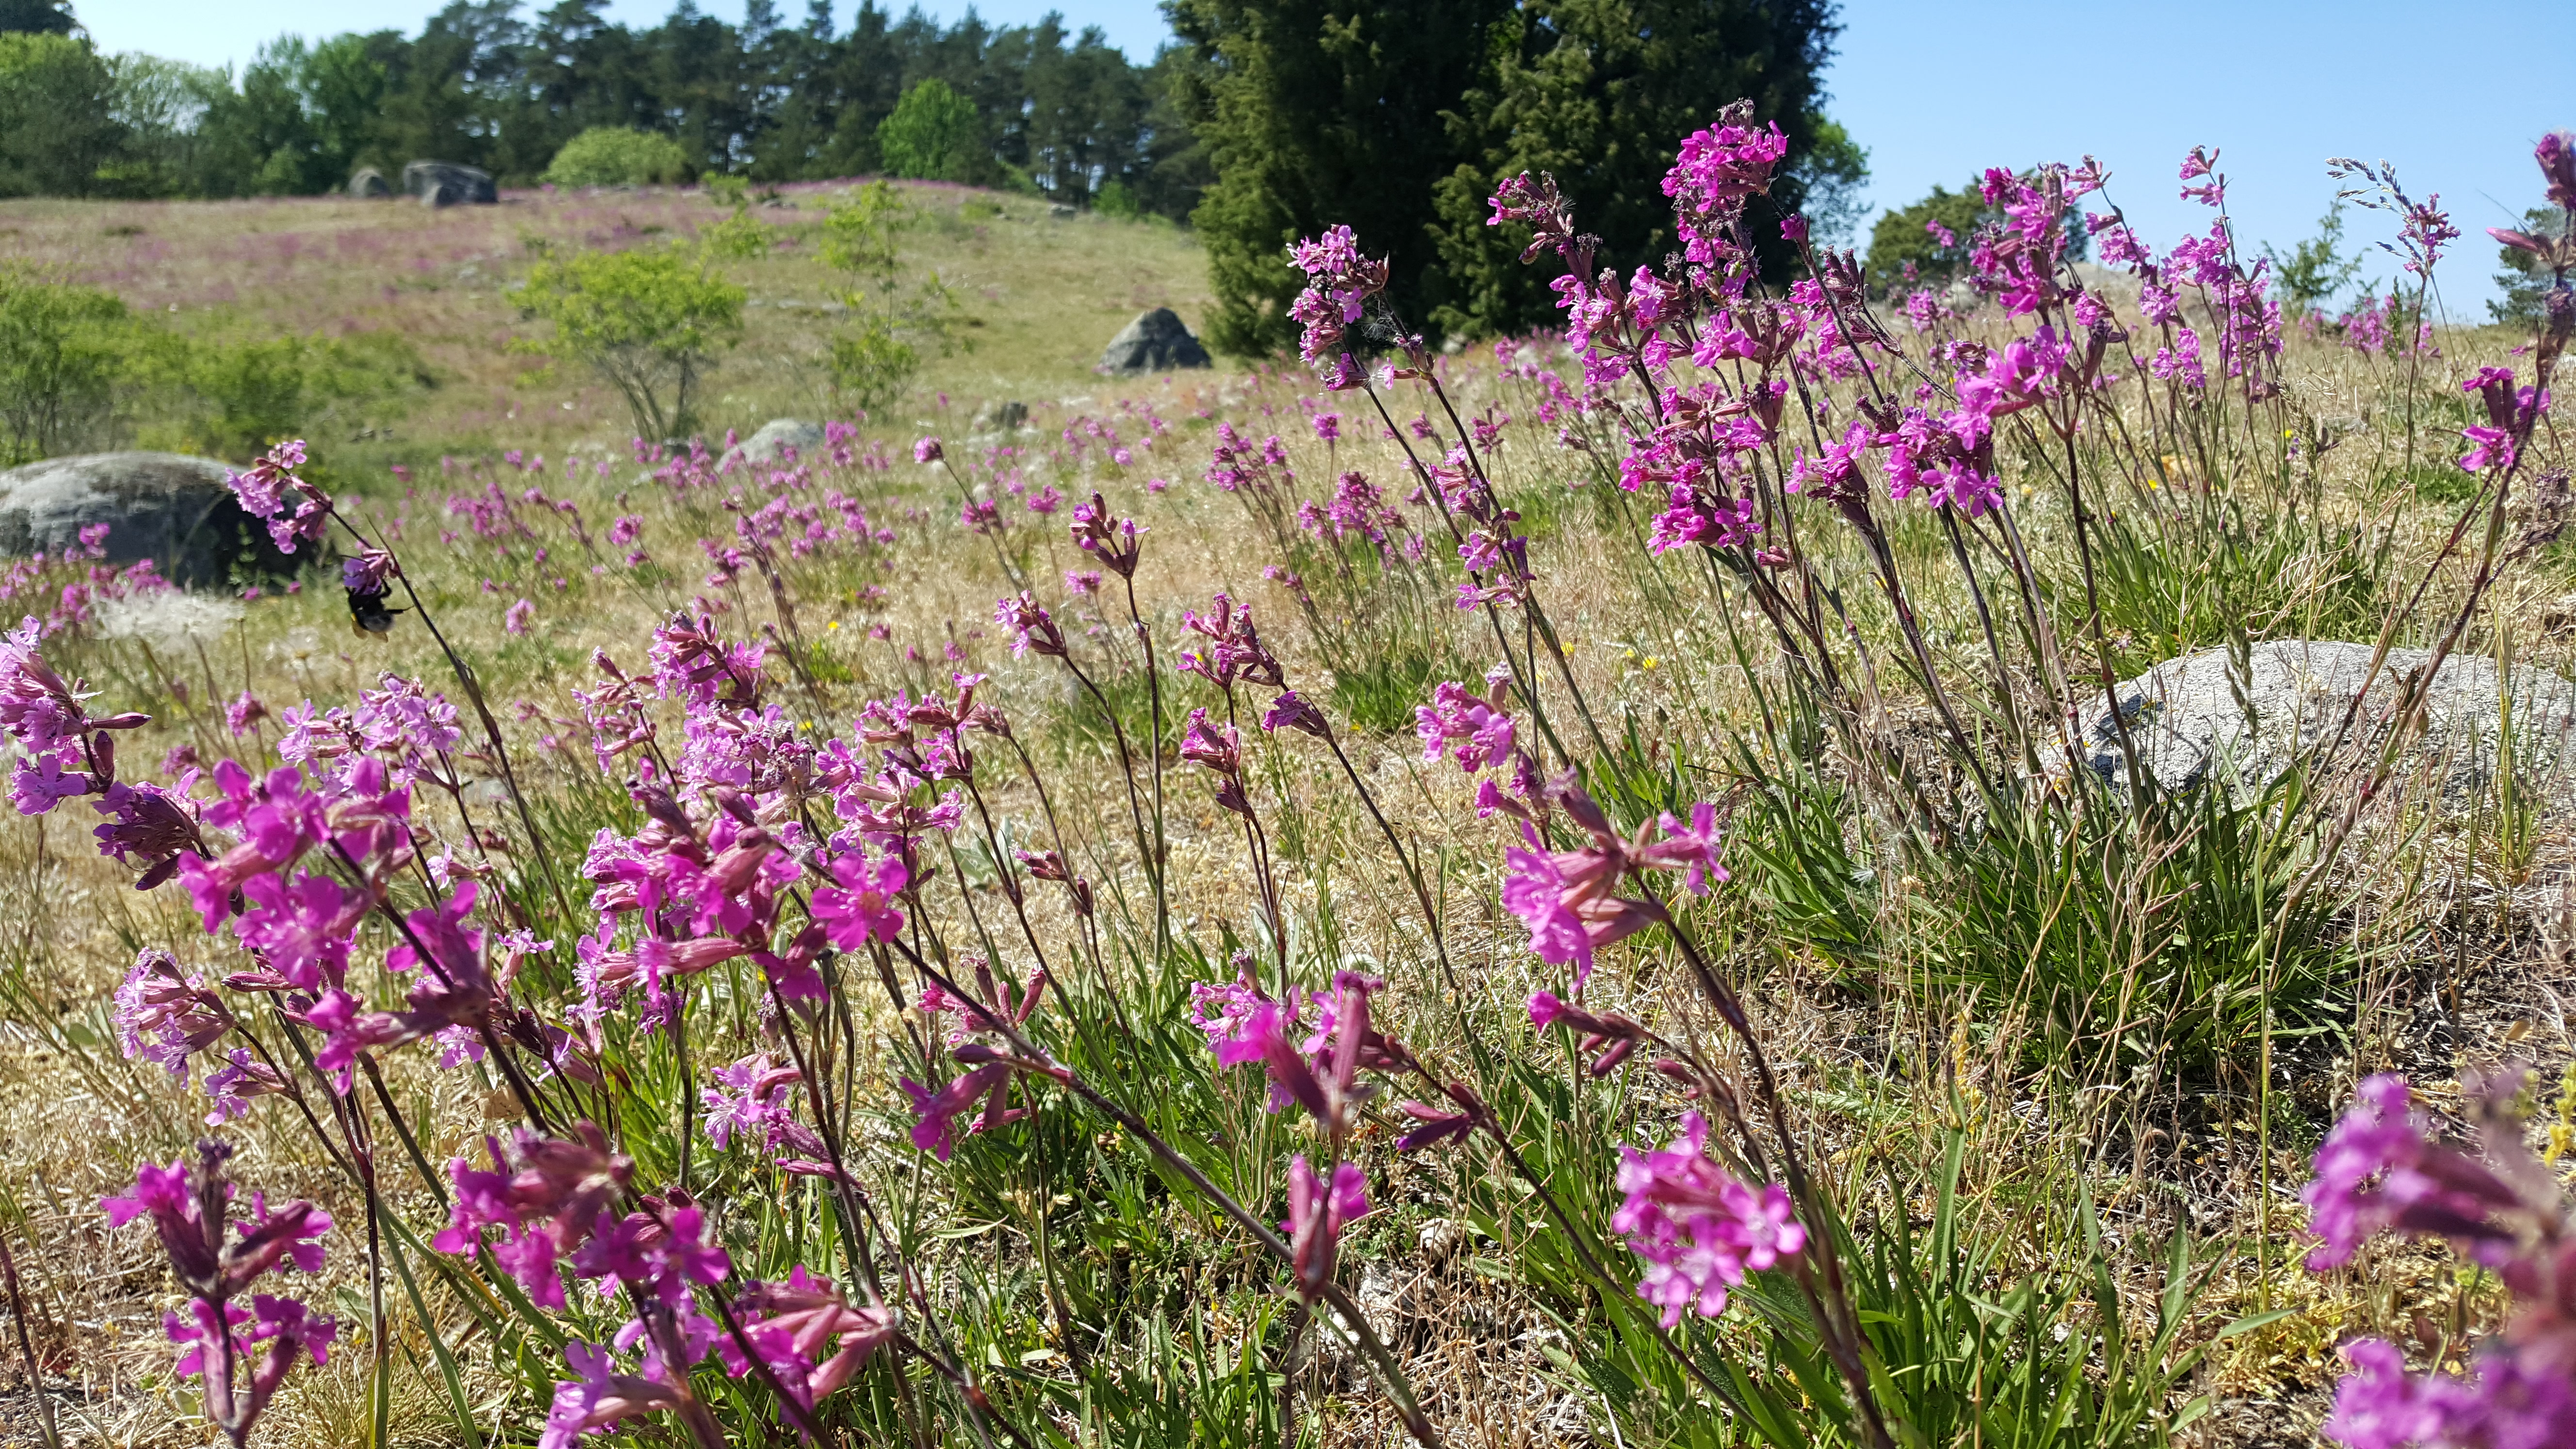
(1157, 341)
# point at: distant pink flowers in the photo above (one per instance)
(514, 619)
(1698, 1229)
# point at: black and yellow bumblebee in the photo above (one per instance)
(368, 614)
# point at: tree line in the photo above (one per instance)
(1056, 109)
(1266, 121)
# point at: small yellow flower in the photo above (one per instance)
(1651, 661)
(835, 624)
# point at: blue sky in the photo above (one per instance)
(1935, 92)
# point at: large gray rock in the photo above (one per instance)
(770, 443)
(444, 183)
(172, 509)
(369, 184)
(2199, 718)
(1155, 342)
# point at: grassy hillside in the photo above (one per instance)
(1043, 295)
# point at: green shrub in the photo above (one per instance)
(234, 399)
(893, 319)
(1904, 235)
(933, 134)
(63, 353)
(1116, 198)
(619, 156)
(650, 322)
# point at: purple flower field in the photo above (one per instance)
(1603, 887)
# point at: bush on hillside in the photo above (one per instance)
(81, 373)
(619, 156)
(232, 400)
(1932, 234)
(933, 135)
(892, 318)
(650, 322)
(62, 365)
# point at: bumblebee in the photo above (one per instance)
(368, 614)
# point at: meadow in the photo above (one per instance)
(881, 946)
(1041, 296)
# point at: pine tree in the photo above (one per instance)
(1599, 94)
(36, 17)
(1398, 118)
(1318, 112)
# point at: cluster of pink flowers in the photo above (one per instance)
(1358, 508)
(1716, 173)
(1314, 1055)
(265, 490)
(1697, 1228)
(241, 1354)
(289, 862)
(64, 751)
(1238, 464)
(1708, 439)
(71, 585)
(1312, 1052)
(1568, 898)
(1339, 283)
(2383, 1170)
(2372, 326)
(2511, 415)
(2021, 260)
(1475, 731)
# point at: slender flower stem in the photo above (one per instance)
(1154, 692)
(482, 712)
(1032, 1058)
(1135, 806)
(27, 1347)
(1829, 1302)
